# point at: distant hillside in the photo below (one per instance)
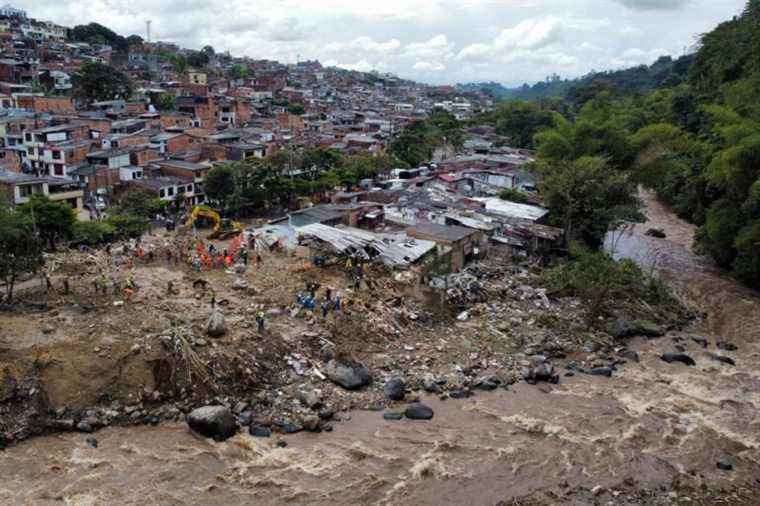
(642, 79)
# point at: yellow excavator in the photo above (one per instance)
(223, 228)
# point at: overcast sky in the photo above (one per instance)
(433, 41)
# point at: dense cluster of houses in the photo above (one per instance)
(442, 214)
(237, 108)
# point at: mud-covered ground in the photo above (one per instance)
(652, 433)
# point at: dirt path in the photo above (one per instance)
(651, 434)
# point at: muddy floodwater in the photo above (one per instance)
(651, 434)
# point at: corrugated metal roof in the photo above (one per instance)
(391, 249)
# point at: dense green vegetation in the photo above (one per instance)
(641, 79)
(606, 286)
(259, 184)
(97, 81)
(21, 247)
(417, 142)
(694, 138)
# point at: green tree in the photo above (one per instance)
(520, 121)
(197, 59)
(219, 184)
(208, 51)
(53, 221)
(128, 226)
(602, 283)
(238, 72)
(92, 233)
(139, 202)
(513, 195)
(134, 40)
(20, 249)
(166, 102)
(588, 199)
(296, 108)
(97, 81)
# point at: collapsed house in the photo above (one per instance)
(393, 250)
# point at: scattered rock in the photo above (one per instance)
(311, 423)
(541, 372)
(83, 426)
(487, 383)
(310, 398)
(326, 413)
(601, 371)
(245, 418)
(591, 347)
(92, 442)
(623, 328)
(721, 358)
(700, 341)
(460, 393)
(239, 284)
(213, 421)
(678, 357)
(629, 355)
(349, 375)
(259, 431)
(656, 232)
(393, 416)
(724, 465)
(431, 386)
(288, 427)
(418, 411)
(395, 389)
(722, 345)
(216, 325)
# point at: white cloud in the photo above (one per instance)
(511, 41)
(426, 66)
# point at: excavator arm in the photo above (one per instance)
(222, 228)
(205, 212)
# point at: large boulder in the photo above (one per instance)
(216, 422)
(418, 411)
(395, 389)
(216, 325)
(348, 374)
(623, 328)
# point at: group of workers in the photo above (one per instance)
(309, 301)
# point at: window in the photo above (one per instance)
(58, 169)
(56, 155)
(28, 137)
(162, 193)
(189, 187)
(180, 190)
(170, 191)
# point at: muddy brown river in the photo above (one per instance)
(651, 434)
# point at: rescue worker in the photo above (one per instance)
(260, 321)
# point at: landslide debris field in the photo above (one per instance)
(90, 358)
(651, 433)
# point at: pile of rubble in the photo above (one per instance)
(492, 326)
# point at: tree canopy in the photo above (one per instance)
(53, 221)
(20, 247)
(97, 81)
